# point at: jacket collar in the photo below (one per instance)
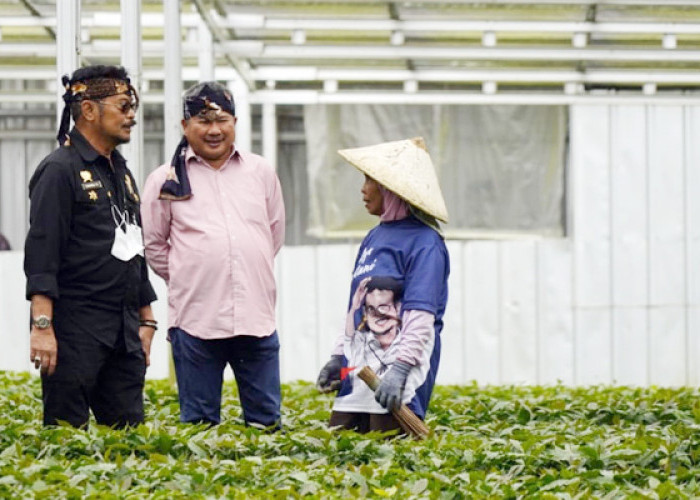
(87, 152)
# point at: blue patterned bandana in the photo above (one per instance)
(207, 100)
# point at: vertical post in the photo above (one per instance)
(172, 108)
(131, 60)
(67, 45)
(244, 124)
(269, 133)
(206, 52)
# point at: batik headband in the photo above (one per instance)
(92, 89)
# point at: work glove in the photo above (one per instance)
(390, 389)
(329, 376)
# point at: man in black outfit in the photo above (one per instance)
(87, 280)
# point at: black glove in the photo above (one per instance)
(390, 389)
(329, 376)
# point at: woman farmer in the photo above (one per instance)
(401, 188)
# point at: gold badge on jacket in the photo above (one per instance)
(130, 187)
(89, 184)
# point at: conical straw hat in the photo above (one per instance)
(403, 167)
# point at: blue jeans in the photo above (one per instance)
(199, 367)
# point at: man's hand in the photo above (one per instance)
(390, 389)
(146, 334)
(358, 297)
(43, 350)
(329, 376)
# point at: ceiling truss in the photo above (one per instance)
(335, 50)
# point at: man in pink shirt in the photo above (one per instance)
(213, 222)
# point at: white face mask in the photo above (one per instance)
(135, 237)
(128, 242)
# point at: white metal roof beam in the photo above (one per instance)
(293, 97)
(253, 49)
(670, 3)
(447, 25)
(242, 67)
(449, 52)
(311, 74)
(155, 48)
(49, 73)
(98, 20)
(254, 21)
(292, 73)
(314, 97)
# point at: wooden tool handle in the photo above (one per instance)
(369, 377)
(408, 420)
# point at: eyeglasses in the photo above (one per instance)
(381, 311)
(124, 106)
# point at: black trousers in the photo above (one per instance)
(92, 375)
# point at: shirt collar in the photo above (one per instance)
(189, 154)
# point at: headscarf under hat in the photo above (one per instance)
(393, 207)
(93, 83)
(207, 99)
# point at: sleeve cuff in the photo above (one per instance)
(42, 284)
(146, 294)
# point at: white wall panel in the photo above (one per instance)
(629, 205)
(667, 265)
(692, 239)
(482, 313)
(297, 294)
(519, 312)
(590, 172)
(590, 147)
(13, 183)
(593, 346)
(629, 239)
(453, 355)
(667, 345)
(14, 314)
(666, 207)
(160, 348)
(693, 354)
(555, 357)
(631, 345)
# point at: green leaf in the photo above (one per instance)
(419, 486)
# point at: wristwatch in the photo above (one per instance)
(42, 322)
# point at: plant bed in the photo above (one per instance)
(486, 442)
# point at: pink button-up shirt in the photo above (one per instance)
(216, 250)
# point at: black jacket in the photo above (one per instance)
(68, 247)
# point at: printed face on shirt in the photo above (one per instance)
(372, 196)
(382, 315)
(211, 136)
(116, 118)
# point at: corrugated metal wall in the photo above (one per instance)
(617, 301)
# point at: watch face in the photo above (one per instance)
(42, 322)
